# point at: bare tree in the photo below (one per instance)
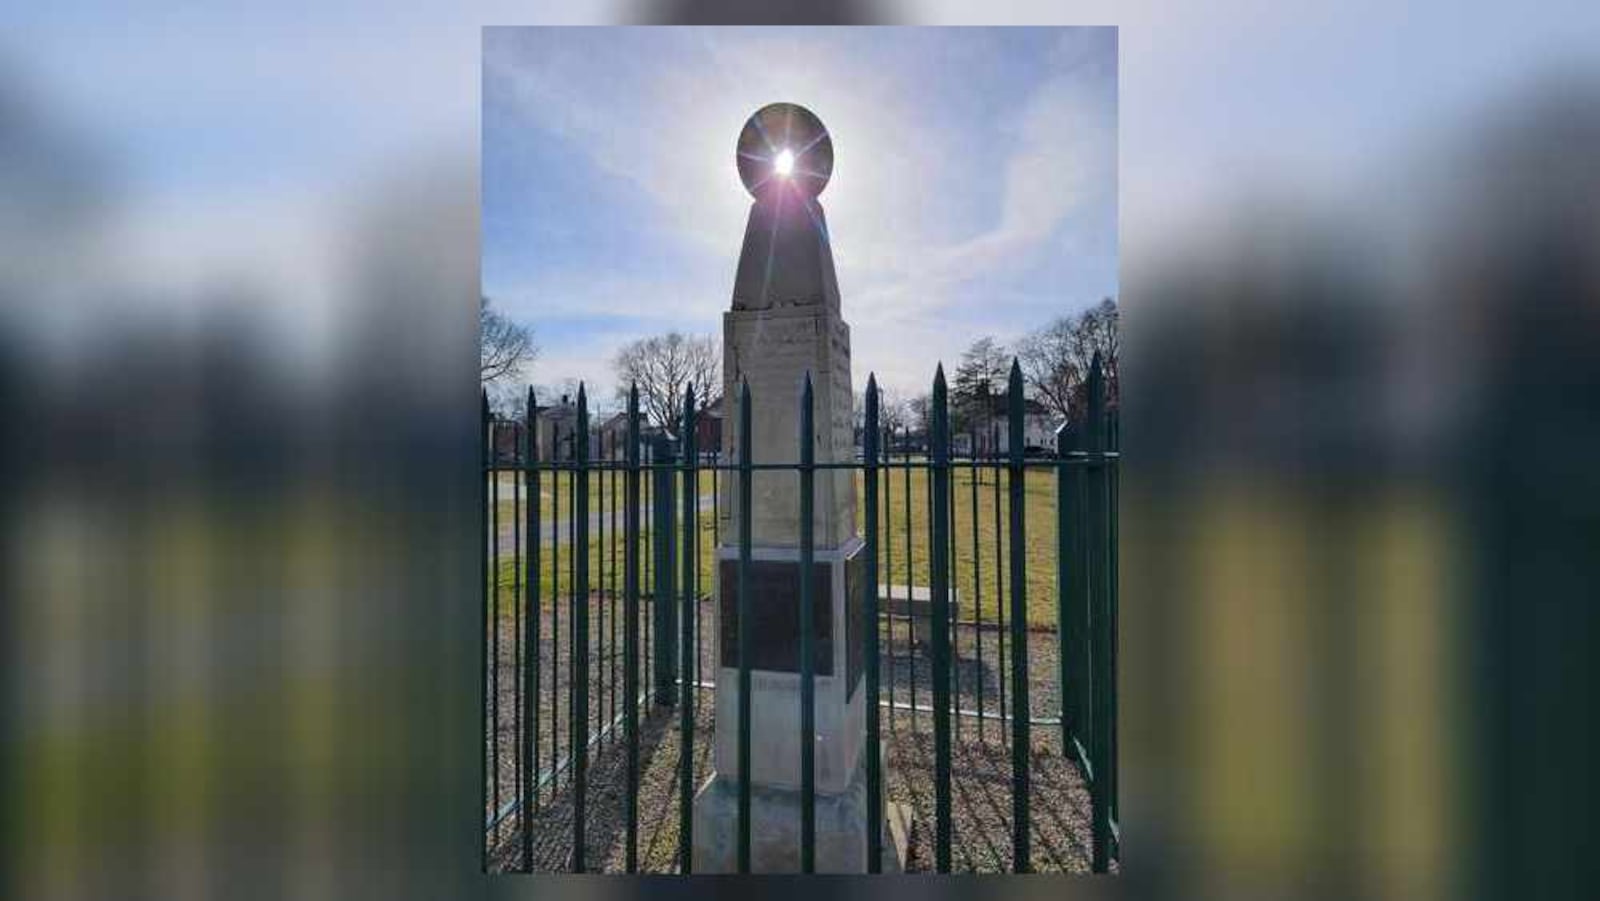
(892, 416)
(663, 365)
(891, 410)
(509, 400)
(506, 345)
(1056, 358)
(919, 413)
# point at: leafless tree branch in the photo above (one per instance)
(505, 346)
(663, 366)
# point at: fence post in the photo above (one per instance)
(869, 602)
(580, 638)
(661, 600)
(1064, 573)
(530, 694)
(1076, 591)
(939, 550)
(1099, 626)
(1021, 719)
(630, 603)
(689, 652)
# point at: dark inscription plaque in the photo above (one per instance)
(774, 604)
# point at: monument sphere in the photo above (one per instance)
(784, 146)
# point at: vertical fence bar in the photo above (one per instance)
(555, 603)
(888, 564)
(869, 601)
(1021, 783)
(616, 624)
(745, 488)
(949, 538)
(977, 575)
(1099, 627)
(573, 601)
(580, 640)
(661, 537)
(1078, 607)
(650, 557)
(911, 568)
(939, 446)
(530, 694)
(933, 533)
(597, 486)
(808, 689)
(611, 593)
(630, 602)
(686, 703)
(484, 473)
(603, 607)
(494, 612)
(646, 554)
(692, 551)
(1064, 575)
(999, 580)
(516, 627)
(1113, 469)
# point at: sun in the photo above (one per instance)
(783, 150)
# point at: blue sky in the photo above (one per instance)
(974, 189)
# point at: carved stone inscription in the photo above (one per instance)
(774, 603)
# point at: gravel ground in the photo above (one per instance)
(981, 755)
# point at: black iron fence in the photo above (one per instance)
(596, 582)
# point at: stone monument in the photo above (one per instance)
(786, 323)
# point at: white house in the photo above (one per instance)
(992, 434)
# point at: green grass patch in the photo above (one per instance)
(981, 570)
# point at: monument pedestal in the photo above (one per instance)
(775, 828)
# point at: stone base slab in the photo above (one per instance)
(775, 829)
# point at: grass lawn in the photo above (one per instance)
(600, 490)
(980, 571)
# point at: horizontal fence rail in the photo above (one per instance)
(988, 578)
